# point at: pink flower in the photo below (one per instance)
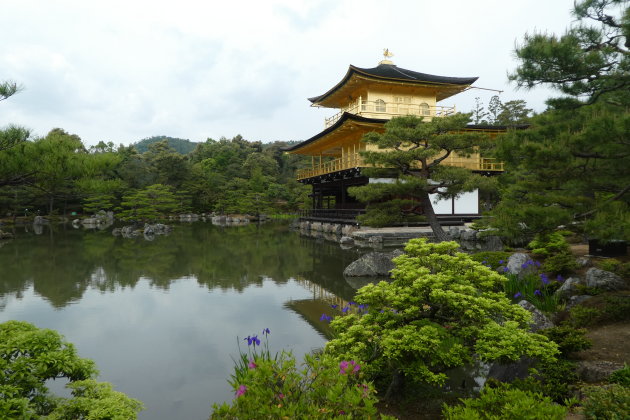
(344, 365)
(241, 390)
(251, 364)
(280, 396)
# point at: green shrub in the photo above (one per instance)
(30, 357)
(621, 376)
(611, 402)
(554, 380)
(441, 310)
(582, 316)
(568, 339)
(547, 245)
(560, 263)
(615, 266)
(583, 289)
(506, 403)
(278, 389)
(616, 308)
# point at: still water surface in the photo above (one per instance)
(161, 318)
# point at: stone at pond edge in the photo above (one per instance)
(372, 264)
(346, 240)
(539, 320)
(604, 280)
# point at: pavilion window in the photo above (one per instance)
(380, 105)
(424, 109)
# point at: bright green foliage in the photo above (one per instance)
(610, 402)
(621, 376)
(554, 248)
(30, 356)
(93, 400)
(279, 389)
(152, 203)
(568, 339)
(413, 150)
(442, 310)
(505, 403)
(546, 245)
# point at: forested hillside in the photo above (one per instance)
(183, 146)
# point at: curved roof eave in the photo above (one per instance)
(390, 72)
(345, 117)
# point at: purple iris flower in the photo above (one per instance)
(334, 306)
(560, 278)
(544, 279)
(325, 317)
(517, 295)
(501, 261)
(266, 331)
(505, 269)
(345, 309)
(537, 292)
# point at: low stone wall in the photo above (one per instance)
(364, 237)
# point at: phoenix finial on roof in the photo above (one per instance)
(386, 55)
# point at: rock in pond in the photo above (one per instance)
(372, 264)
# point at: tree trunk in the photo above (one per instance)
(395, 385)
(427, 207)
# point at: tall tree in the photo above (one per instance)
(571, 166)
(413, 151)
(588, 60)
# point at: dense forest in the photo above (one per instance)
(57, 174)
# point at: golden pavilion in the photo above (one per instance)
(365, 99)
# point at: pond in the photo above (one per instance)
(162, 318)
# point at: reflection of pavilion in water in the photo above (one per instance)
(320, 303)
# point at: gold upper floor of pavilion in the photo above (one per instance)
(365, 99)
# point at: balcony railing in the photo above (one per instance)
(354, 160)
(381, 109)
(351, 160)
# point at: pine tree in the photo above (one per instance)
(412, 152)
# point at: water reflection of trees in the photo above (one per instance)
(63, 263)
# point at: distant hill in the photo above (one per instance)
(182, 146)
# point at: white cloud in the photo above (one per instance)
(122, 71)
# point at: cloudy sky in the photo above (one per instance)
(122, 71)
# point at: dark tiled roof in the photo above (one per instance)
(346, 116)
(393, 72)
